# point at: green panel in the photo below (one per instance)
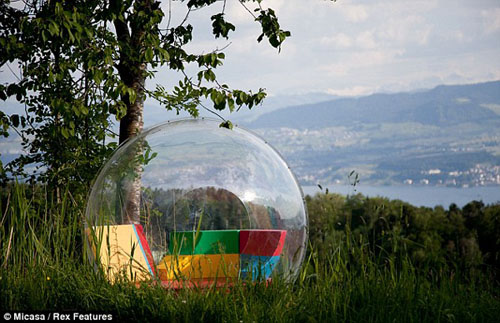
(209, 242)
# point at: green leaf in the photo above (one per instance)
(84, 110)
(3, 95)
(230, 103)
(243, 97)
(65, 132)
(221, 28)
(209, 75)
(226, 124)
(149, 54)
(14, 119)
(12, 89)
(53, 28)
(271, 28)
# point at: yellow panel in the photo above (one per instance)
(124, 252)
(199, 266)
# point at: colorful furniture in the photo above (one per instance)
(200, 258)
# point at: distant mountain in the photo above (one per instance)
(274, 103)
(449, 135)
(442, 106)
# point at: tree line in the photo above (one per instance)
(457, 239)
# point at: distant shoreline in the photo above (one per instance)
(429, 196)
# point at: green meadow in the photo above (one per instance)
(368, 260)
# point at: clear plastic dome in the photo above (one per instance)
(185, 196)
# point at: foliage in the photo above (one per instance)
(454, 239)
(84, 62)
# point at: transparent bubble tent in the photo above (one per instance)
(189, 201)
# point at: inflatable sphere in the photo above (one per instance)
(190, 201)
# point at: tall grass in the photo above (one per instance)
(37, 231)
(42, 267)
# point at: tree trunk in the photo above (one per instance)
(133, 74)
(130, 126)
(132, 123)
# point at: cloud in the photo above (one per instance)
(352, 91)
(366, 40)
(339, 40)
(358, 47)
(336, 69)
(360, 60)
(460, 36)
(354, 13)
(363, 40)
(409, 29)
(237, 14)
(402, 8)
(491, 20)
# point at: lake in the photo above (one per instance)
(419, 195)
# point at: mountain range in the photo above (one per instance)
(449, 135)
(441, 106)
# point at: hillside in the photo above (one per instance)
(449, 135)
(441, 106)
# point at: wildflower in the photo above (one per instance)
(48, 278)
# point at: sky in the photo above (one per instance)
(344, 48)
(352, 48)
(348, 47)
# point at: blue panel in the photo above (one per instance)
(257, 267)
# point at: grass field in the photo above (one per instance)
(42, 268)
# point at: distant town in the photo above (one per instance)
(479, 175)
(315, 158)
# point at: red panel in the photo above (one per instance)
(145, 246)
(262, 242)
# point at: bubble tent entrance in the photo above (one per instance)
(190, 201)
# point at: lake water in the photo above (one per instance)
(419, 195)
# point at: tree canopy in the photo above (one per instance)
(82, 63)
